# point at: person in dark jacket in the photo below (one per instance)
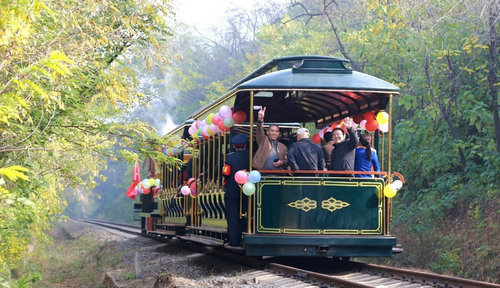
(304, 154)
(235, 161)
(344, 148)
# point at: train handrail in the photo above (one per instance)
(322, 172)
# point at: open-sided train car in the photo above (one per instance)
(290, 214)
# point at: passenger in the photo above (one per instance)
(366, 157)
(271, 154)
(328, 148)
(304, 154)
(235, 161)
(344, 148)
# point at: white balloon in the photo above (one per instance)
(397, 185)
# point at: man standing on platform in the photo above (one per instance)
(235, 161)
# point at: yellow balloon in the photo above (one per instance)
(382, 117)
(389, 192)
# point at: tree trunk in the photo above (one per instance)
(492, 74)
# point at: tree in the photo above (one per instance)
(64, 86)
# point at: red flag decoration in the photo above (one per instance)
(136, 179)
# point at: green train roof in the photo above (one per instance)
(317, 76)
(316, 89)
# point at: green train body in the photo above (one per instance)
(290, 214)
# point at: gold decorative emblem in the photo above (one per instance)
(333, 204)
(305, 204)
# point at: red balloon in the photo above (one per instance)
(357, 118)
(146, 190)
(239, 116)
(369, 116)
(316, 138)
(371, 125)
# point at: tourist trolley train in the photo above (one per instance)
(290, 214)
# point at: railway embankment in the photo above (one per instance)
(84, 255)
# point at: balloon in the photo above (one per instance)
(357, 118)
(369, 115)
(191, 130)
(225, 111)
(151, 182)
(371, 125)
(157, 182)
(254, 176)
(210, 118)
(389, 192)
(241, 176)
(205, 131)
(185, 190)
(382, 117)
(322, 132)
(362, 125)
(239, 116)
(213, 128)
(248, 188)
(192, 184)
(216, 119)
(384, 128)
(146, 190)
(316, 138)
(228, 122)
(146, 184)
(396, 185)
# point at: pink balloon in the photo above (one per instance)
(362, 124)
(185, 190)
(216, 119)
(241, 177)
(191, 130)
(213, 128)
(225, 111)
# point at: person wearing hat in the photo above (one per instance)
(304, 154)
(344, 148)
(235, 161)
(271, 154)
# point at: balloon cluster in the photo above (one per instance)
(368, 121)
(371, 121)
(145, 186)
(391, 189)
(175, 148)
(189, 188)
(219, 122)
(248, 180)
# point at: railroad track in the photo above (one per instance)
(323, 272)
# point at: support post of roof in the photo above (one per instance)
(250, 152)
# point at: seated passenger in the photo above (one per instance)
(344, 148)
(304, 154)
(271, 154)
(366, 157)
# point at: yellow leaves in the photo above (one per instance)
(14, 172)
(59, 56)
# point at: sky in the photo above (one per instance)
(204, 14)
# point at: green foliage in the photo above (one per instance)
(64, 89)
